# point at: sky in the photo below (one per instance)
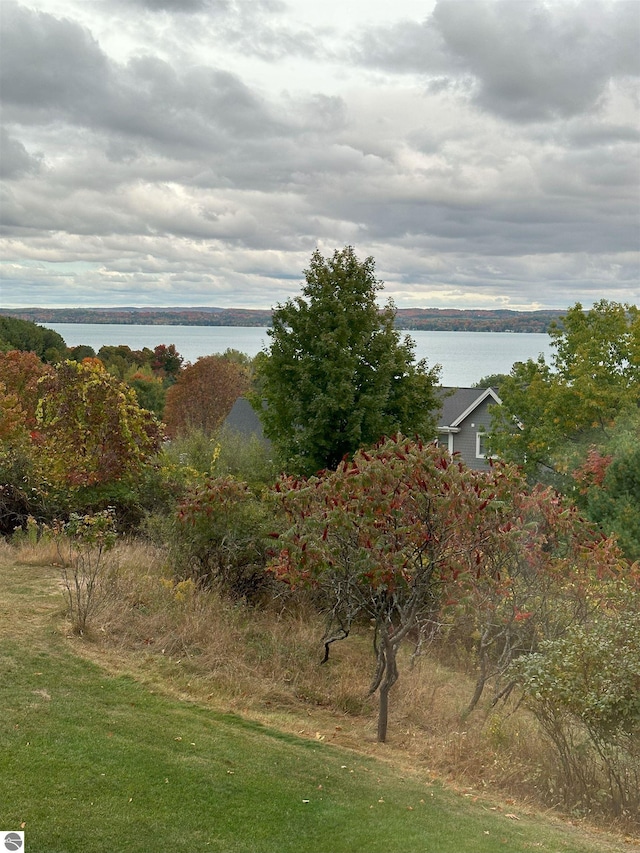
(196, 152)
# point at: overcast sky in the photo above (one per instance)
(196, 152)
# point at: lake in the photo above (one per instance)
(465, 356)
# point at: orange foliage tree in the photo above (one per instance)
(19, 376)
(203, 395)
(20, 373)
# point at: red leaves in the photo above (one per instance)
(521, 615)
(592, 472)
(400, 520)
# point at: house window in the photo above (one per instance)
(481, 445)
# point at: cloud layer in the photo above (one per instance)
(157, 152)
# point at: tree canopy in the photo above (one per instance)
(89, 427)
(204, 393)
(562, 408)
(17, 334)
(403, 533)
(575, 422)
(337, 375)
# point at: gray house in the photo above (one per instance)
(464, 422)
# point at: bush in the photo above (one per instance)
(83, 545)
(248, 458)
(584, 689)
(221, 537)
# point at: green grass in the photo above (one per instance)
(91, 762)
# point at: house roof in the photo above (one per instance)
(459, 403)
(243, 419)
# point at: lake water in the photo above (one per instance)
(465, 356)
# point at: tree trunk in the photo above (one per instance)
(390, 677)
(480, 683)
(383, 712)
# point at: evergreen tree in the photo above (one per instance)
(338, 375)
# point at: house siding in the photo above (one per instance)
(465, 441)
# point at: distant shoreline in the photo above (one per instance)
(407, 319)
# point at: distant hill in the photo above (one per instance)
(197, 316)
(456, 320)
(427, 319)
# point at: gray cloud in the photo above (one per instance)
(179, 6)
(523, 61)
(47, 64)
(16, 160)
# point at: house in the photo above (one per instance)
(465, 421)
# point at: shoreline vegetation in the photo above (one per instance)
(407, 319)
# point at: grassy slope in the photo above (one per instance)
(90, 761)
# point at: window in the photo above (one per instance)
(481, 445)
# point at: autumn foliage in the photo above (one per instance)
(20, 373)
(90, 428)
(409, 538)
(203, 395)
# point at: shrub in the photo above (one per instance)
(250, 459)
(584, 689)
(83, 546)
(221, 537)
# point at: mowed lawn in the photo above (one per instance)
(91, 762)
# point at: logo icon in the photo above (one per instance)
(13, 840)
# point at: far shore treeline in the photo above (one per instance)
(423, 319)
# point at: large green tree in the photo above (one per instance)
(338, 375)
(17, 334)
(574, 422)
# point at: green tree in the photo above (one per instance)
(337, 375)
(16, 334)
(121, 360)
(551, 414)
(78, 353)
(608, 484)
(493, 380)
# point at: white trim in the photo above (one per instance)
(489, 392)
(479, 435)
